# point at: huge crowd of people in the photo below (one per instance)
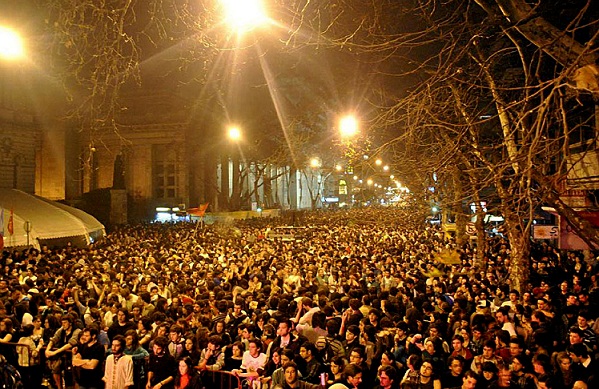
(362, 300)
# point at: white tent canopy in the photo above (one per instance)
(48, 220)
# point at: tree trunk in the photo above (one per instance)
(520, 253)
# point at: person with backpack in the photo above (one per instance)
(9, 375)
(329, 346)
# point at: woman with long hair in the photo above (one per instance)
(139, 356)
(541, 364)
(464, 331)
(187, 377)
(273, 363)
(38, 330)
(388, 359)
(336, 370)
(191, 350)
(7, 336)
(234, 356)
(132, 346)
(144, 332)
(220, 330)
(562, 367)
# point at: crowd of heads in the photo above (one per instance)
(365, 298)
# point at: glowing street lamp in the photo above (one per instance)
(348, 126)
(244, 15)
(11, 44)
(315, 163)
(234, 134)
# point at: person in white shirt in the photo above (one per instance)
(503, 318)
(118, 373)
(253, 362)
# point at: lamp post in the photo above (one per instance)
(348, 129)
(234, 134)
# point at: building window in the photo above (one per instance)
(164, 172)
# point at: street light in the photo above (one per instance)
(234, 133)
(315, 163)
(244, 15)
(348, 126)
(11, 44)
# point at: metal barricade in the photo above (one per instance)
(18, 360)
(18, 350)
(220, 380)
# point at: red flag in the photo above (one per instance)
(11, 227)
(199, 211)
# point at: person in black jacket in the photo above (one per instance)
(121, 325)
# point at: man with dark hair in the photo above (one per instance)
(58, 351)
(119, 367)
(212, 357)
(292, 378)
(253, 362)
(162, 367)
(352, 338)
(459, 350)
(121, 325)
(589, 337)
(453, 377)
(313, 366)
(357, 356)
(285, 338)
(221, 307)
(583, 365)
(516, 346)
(352, 378)
(246, 332)
(469, 380)
(176, 347)
(89, 357)
(503, 319)
(388, 378)
(237, 317)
